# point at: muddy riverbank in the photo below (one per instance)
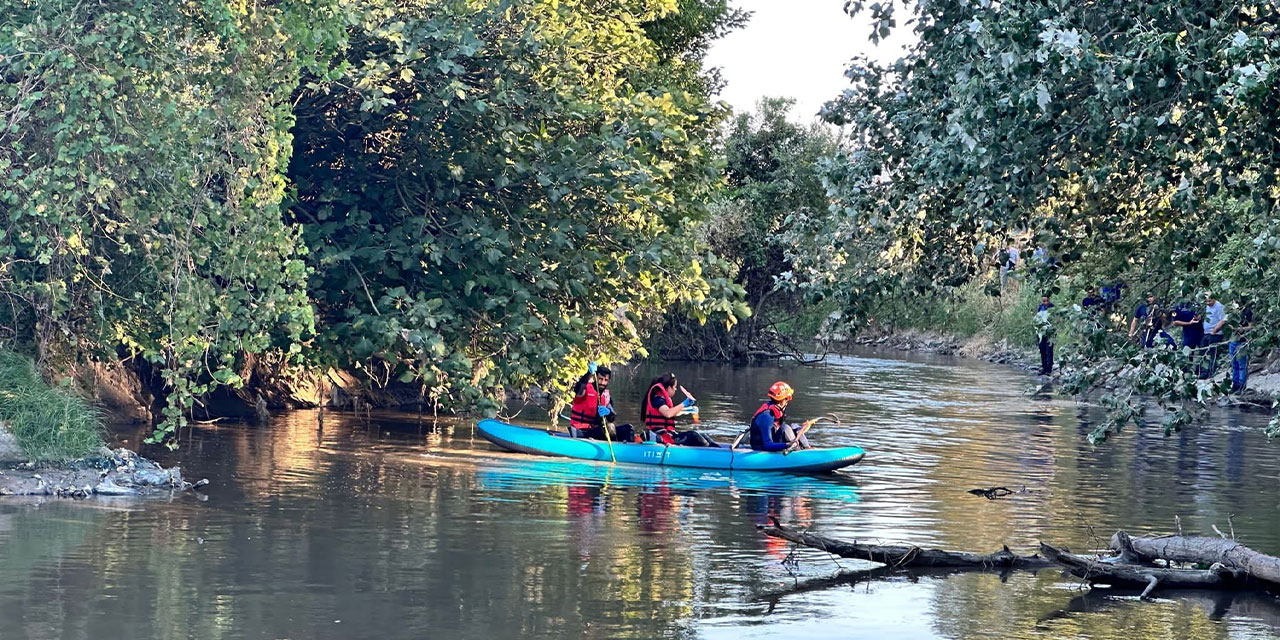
(112, 472)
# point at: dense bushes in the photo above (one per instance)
(479, 193)
(1130, 140)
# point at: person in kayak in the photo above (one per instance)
(592, 409)
(768, 431)
(659, 412)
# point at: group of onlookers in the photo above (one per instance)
(1203, 327)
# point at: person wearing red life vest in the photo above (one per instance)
(592, 408)
(658, 412)
(768, 431)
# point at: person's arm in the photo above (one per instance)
(669, 411)
(763, 424)
(1133, 325)
(580, 387)
(1217, 328)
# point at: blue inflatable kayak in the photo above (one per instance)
(548, 443)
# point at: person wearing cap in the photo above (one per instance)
(768, 431)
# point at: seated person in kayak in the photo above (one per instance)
(591, 409)
(768, 431)
(659, 412)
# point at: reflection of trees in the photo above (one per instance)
(392, 527)
(387, 543)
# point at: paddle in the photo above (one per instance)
(604, 425)
(795, 444)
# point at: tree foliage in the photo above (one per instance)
(488, 200)
(141, 183)
(771, 173)
(478, 193)
(1134, 140)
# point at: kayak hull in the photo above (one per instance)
(545, 443)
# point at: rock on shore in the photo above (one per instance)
(114, 472)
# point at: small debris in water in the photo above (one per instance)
(992, 493)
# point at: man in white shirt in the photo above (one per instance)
(1215, 318)
(1010, 264)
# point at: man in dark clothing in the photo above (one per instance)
(1111, 293)
(1044, 330)
(1148, 322)
(1192, 326)
(1236, 349)
(1091, 300)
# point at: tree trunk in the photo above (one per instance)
(905, 556)
(1201, 550)
(1136, 575)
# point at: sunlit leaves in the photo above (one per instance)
(522, 189)
(144, 179)
(1130, 140)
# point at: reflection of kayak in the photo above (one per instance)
(546, 443)
(525, 474)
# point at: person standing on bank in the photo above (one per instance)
(1237, 348)
(1192, 327)
(768, 431)
(1044, 330)
(1010, 266)
(1146, 318)
(1215, 318)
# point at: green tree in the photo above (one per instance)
(1134, 139)
(489, 198)
(140, 183)
(772, 172)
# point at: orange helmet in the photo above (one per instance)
(781, 391)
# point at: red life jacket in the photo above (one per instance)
(584, 413)
(653, 420)
(768, 406)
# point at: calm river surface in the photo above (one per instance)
(386, 526)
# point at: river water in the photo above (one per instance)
(392, 526)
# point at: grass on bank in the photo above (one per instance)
(968, 311)
(49, 423)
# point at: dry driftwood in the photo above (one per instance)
(905, 556)
(1200, 550)
(1232, 565)
(1131, 575)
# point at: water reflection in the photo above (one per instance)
(392, 525)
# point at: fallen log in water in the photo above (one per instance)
(1200, 550)
(905, 556)
(1231, 564)
(1136, 575)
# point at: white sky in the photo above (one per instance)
(797, 49)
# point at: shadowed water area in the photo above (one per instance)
(390, 526)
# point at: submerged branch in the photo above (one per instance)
(900, 556)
